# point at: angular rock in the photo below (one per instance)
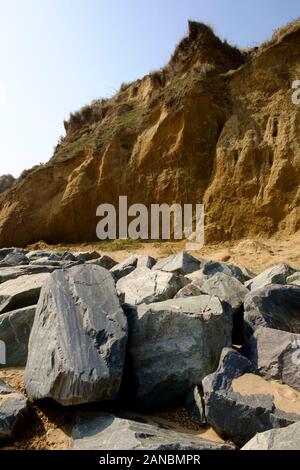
(274, 306)
(7, 274)
(103, 431)
(13, 411)
(104, 261)
(86, 255)
(15, 258)
(15, 330)
(38, 254)
(226, 288)
(46, 262)
(247, 273)
(181, 263)
(78, 340)
(275, 354)
(210, 268)
(5, 251)
(277, 274)
(124, 268)
(195, 405)
(197, 277)
(190, 290)
(144, 285)
(287, 438)
(145, 261)
(21, 292)
(238, 404)
(67, 256)
(174, 344)
(294, 279)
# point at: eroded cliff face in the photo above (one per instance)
(215, 125)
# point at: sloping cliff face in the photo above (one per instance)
(215, 125)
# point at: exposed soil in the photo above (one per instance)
(48, 426)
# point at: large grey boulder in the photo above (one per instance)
(181, 263)
(287, 438)
(174, 344)
(7, 274)
(195, 405)
(124, 268)
(238, 411)
(78, 339)
(226, 288)
(103, 431)
(13, 411)
(190, 290)
(15, 328)
(277, 274)
(144, 285)
(15, 258)
(275, 354)
(145, 261)
(86, 255)
(294, 279)
(21, 292)
(104, 261)
(5, 251)
(197, 277)
(210, 268)
(46, 262)
(38, 254)
(274, 306)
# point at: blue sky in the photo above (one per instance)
(57, 55)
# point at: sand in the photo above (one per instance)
(285, 398)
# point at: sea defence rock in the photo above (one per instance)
(15, 328)
(195, 405)
(145, 261)
(13, 411)
(239, 404)
(294, 279)
(174, 344)
(103, 431)
(86, 255)
(274, 306)
(181, 263)
(275, 354)
(78, 340)
(124, 268)
(144, 285)
(277, 274)
(21, 292)
(15, 258)
(287, 438)
(38, 254)
(104, 261)
(209, 268)
(190, 290)
(226, 288)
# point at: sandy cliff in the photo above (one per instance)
(216, 125)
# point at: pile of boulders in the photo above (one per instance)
(181, 330)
